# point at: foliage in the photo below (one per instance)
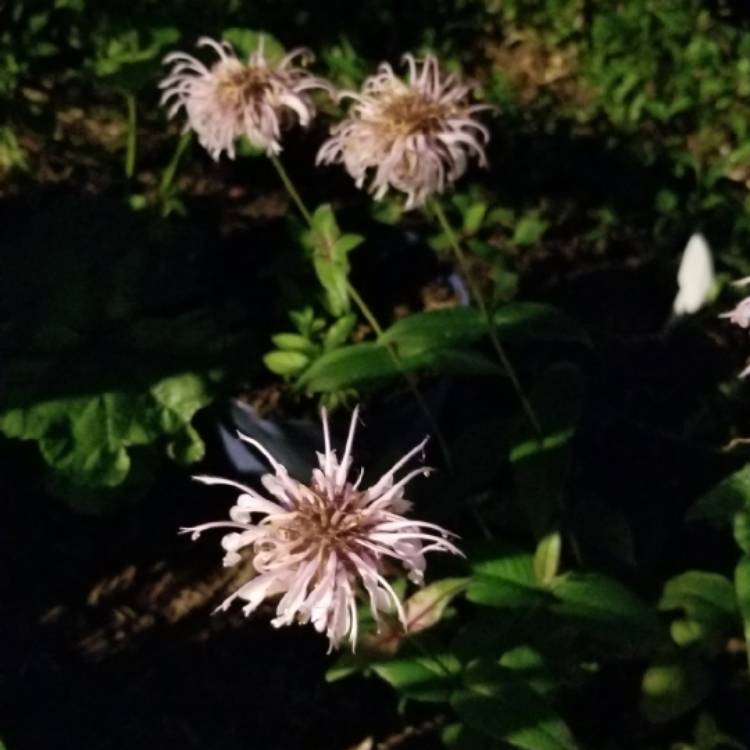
(143, 283)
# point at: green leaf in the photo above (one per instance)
(286, 363)
(496, 702)
(330, 249)
(347, 367)
(672, 687)
(422, 610)
(721, 502)
(741, 530)
(462, 326)
(435, 329)
(461, 737)
(86, 440)
(707, 598)
(547, 557)
(606, 610)
(339, 332)
(423, 678)
(474, 216)
(246, 41)
(294, 342)
(504, 577)
(529, 229)
(742, 588)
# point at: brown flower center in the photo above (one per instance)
(412, 113)
(243, 86)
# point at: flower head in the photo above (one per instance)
(417, 135)
(320, 544)
(233, 98)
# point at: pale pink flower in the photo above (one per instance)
(416, 136)
(233, 98)
(740, 316)
(320, 544)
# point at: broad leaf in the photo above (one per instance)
(504, 577)
(705, 597)
(496, 702)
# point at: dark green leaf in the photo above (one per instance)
(496, 702)
(672, 687)
(504, 577)
(724, 500)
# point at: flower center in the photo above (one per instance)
(243, 86)
(412, 113)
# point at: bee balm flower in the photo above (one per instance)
(233, 98)
(320, 544)
(416, 136)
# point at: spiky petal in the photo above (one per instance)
(320, 544)
(233, 98)
(415, 136)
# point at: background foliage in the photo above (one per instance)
(605, 598)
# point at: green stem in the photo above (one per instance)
(130, 145)
(169, 173)
(478, 297)
(369, 316)
(289, 185)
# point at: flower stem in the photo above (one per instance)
(372, 321)
(130, 144)
(289, 186)
(476, 293)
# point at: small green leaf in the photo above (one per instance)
(721, 502)
(529, 229)
(547, 557)
(474, 216)
(345, 244)
(339, 332)
(672, 687)
(286, 363)
(294, 342)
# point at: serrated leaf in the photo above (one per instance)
(504, 577)
(424, 678)
(496, 702)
